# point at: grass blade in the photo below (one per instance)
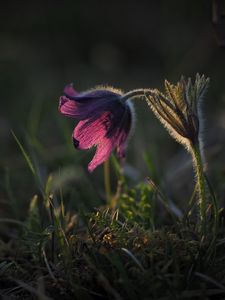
(25, 155)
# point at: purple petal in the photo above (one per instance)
(100, 95)
(74, 109)
(122, 144)
(125, 129)
(88, 105)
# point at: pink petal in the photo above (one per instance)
(102, 154)
(106, 132)
(90, 132)
(70, 91)
(69, 107)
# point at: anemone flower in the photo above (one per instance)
(105, 121)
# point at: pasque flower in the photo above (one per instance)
(105, 120)
(179, 110)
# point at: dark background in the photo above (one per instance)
(128, 44)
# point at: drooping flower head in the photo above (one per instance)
(105, 121)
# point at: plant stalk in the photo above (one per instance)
(200, 182)
(135, 94)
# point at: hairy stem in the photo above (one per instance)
(135, 94)
(200, 181)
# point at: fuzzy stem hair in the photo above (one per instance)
(200, 182)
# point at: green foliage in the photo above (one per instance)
(51, 246)
(134, 247)
(122, 252)
(111, 258)
(138, 205)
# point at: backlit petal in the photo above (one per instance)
(102, 154)
(97, 95)
(91, 131)
(70, 91)
(88, 107)
(70, 108)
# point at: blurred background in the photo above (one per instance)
(45, 45)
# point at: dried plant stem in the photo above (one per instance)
(107, 181)
(200, 182)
